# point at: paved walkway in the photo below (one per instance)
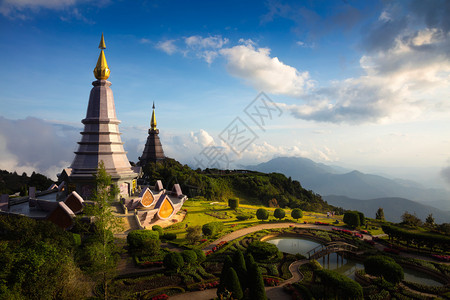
(272, 292)
(241, 232)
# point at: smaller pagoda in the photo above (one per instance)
(153, 151)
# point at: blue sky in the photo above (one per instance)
(361, 84)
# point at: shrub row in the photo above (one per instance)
(211, 229)
(345, 287)
(418, 238)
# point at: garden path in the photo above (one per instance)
(241, 232)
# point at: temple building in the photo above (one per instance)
(100, 139)
(153, 151)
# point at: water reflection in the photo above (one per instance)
(339, 263)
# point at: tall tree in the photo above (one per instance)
(380, 214)
(101, 252)
(429, 221)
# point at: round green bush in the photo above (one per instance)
(262, 250)
(212, 228)
(189, 256)
(279, 213)
(262, 214)
(173, 261)
(137, 238)
(384, 266)
(297, 213)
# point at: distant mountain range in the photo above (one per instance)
(356, 186)
(393, 208)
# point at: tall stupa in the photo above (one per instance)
(100, 139)
(153, 151)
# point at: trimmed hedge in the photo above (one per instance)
(137, 238)
(352, 219)
(211, 229)
(233, 203)
(189, 256)
(419, 238)
(384, 266)
(342, 285)
(173, 261)
(262, 250)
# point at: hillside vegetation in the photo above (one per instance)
(11, 183)
(268, 189)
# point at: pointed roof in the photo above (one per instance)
(153, 150)
(153, 120)
(100, 139)
(101, 70)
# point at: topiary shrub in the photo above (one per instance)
(262, 250)
(173, 261)
(137, 238)
(385, 267)
(169, 236)
(233, 203)
(279, 213)
(352, 219)
(343, 287)
(189, 256)
(212, 228)
(297, 213)
(262, 214)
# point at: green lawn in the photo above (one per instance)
(201, 212)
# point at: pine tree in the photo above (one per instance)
(240, 268)
(226, 265)
(256, 283)
(101, 253)
(233, 285)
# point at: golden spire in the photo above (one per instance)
(101, 70)
(153, 121)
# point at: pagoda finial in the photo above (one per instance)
(153, 121)
(101, 70)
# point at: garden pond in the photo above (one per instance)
(342, 265)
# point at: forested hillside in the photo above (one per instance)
(267, 189)
(11, 183)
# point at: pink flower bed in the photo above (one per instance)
(160, 297)
(349, 232)
(205, 286)
(321, 223)
(445, 258)
(271, 281)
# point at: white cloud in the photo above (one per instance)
(264, 72)
(32, 144)
(400, 83)
(145, 41)
(167, 46)
(17, 8)
(198, 42)
(203, 138)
